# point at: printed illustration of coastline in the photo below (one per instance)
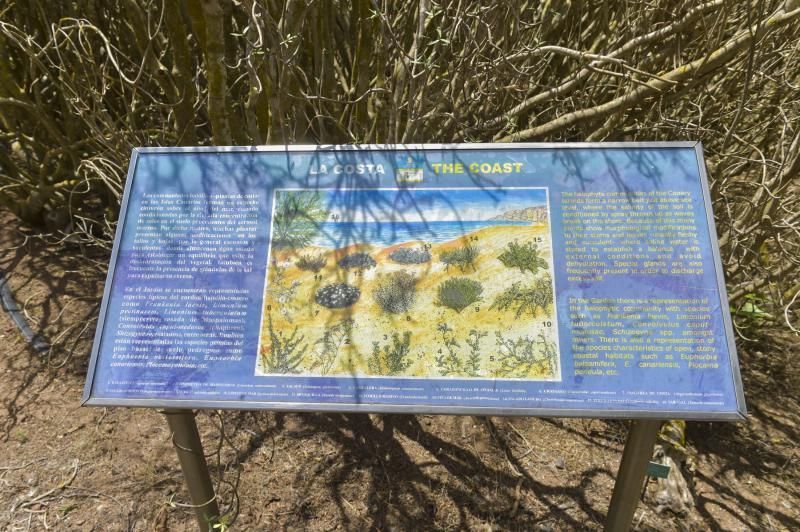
(423, 283)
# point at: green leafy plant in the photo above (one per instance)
(396, 292)
(463, 257)
(283, 355)
(297, 218)
(312, 263)
(392, 359)
(458, 293)
(750, 309)
(526, 300)
(518, 358)
(523, 256)
(221, 524)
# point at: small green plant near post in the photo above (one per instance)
(223, 525)
(327, 348)
(526, 300)
(447, 361)
(458, 293)
(463, 256)
(297, 219)
(285, 354)
(392, 359)
(396, 292)
(750, 309)
(523, 256)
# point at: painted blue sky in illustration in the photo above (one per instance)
(412, 205)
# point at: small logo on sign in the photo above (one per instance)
(410, 172)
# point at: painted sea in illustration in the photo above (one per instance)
(436, 283)
(338, 234)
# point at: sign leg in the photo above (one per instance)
(186, 440)
(630, 477)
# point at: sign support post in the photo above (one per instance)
(632, 468)
(186, 440)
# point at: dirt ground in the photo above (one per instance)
(66, 467)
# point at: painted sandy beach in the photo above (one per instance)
(423, 283)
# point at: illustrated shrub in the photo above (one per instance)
(326, 349)
(458, 293)
(395, 293)
(523, 300)
(523, 256)
(359, 260)
(410, 255)
(338, 295)
(392, 359)
(297, 219)
(462, 257)
(284, 354)
(522, 356)
(312, 263)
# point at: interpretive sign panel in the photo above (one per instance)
(437, 264)
(530, 279)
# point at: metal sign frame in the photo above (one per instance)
(739, 415)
